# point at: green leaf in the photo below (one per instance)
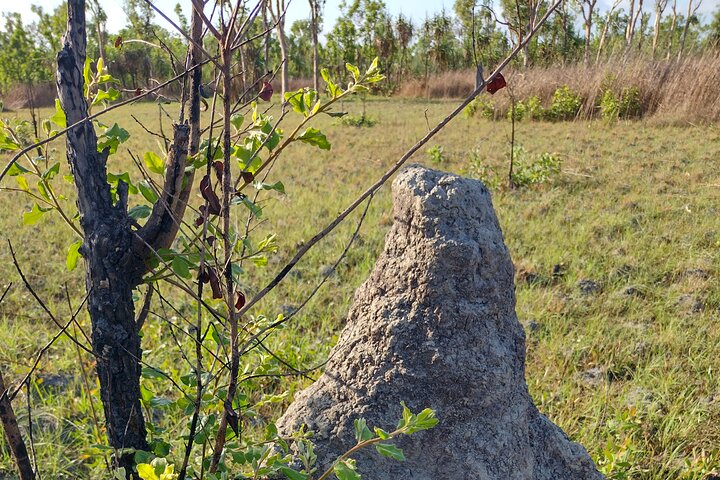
(16, 169)
(293, 474)
(345, 470)
(87, 72)
(382, 433)
(237, 120)
(313, 136)
(51, 172)
(332, 89)
(297, 101)
(354, 71)
(154, 163)
(277, 186)
(59, 117)
(31, 217)
(109, 95)
(373, 67)
(139, 211)
(254, 209)
(362, 432)
(147, 472)
(22, 183)
(391, 451)
(149, 372)
(118, 132)
(43, 189)
(181, 267)
(73, 256)
(147, 191)
(7, 144)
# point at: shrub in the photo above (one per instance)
(530, 171)
(565, 104)
(534, 108)
(478, 169)
(609, 106)
(358, 121)
(481, 106)
(437, 154)
(630, 105)
(520, 111)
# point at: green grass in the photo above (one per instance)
(629, 370)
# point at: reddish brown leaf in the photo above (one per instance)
(199, 220)
(247, 177)
(118, 41)
(209, 195)
(240, 300)
(203, 275)
(210, 240)
(266, 91)
(138, 92)
(215, 284)
(496, 84)
(219, 168)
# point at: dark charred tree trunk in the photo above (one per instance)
(115, 252)
(12, 434)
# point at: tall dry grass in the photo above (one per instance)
(670, 91)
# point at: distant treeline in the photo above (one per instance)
(416, 56)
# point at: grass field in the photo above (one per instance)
(617, 261)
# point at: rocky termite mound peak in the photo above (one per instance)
(435, 326)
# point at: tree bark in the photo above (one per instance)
(115, 255)
(690, 14)
(315, 26)
(659, 9)
(277, 11)
(671, 34)
(588, 23)
(13, 436)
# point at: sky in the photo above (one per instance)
(298, 9)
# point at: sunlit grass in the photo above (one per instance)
(628, 368)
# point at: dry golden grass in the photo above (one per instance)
(670, 91)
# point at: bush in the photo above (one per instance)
(565, 104)
(609, 106)
(534, 108)
(358, 121)
(530, 171)
(630, 105)
(520, 111)
(478, 169)
(437, 154)
(481, 106)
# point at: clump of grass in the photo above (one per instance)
(667, 91)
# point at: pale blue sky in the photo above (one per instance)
(415, 9)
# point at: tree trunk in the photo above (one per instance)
(315, 26)
(115, 255)
(13, 436)
(671, 34)
(659, 8)
(630, 28)
(107, 249)
(683, 37)
(284, 54)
